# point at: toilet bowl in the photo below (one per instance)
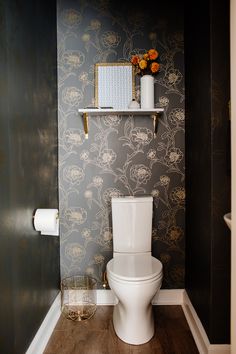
(133, 274)
(134, 279)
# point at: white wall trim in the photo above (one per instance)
(106, 297)
(44, 332)
(165, 297)
(198, 332)
(169, 297)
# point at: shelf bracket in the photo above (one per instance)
(154, 117)
(85, 119)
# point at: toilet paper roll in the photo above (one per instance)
(46, 221)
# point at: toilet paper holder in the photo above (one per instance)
(46, 221)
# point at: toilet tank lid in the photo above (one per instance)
(131, 199)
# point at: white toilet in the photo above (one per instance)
(133, 274)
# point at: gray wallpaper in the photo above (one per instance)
(121, 155)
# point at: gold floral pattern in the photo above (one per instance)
(71, 96)
(173, 77)
(110, 39)
(71, 18)
(73, 174)
(177, 116)
(112, 120)
(175, 233)
(74, 251)
(164, 180)
(72, 59)
(73, 138)
(109, 193)
(140, 174)
(142, 135)
(121, 155)
(76, 215)
(178, 195)
(174, 155)
(106, 158)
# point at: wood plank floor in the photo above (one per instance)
(97, 336)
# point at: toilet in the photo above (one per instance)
(133, 274)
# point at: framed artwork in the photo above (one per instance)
(114, 85)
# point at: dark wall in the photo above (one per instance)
(207, 165)
(29, 263)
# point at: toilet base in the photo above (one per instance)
(135, 329)
(133, 318)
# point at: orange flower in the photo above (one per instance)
(146, 63)
(135, 59)
(142, 64)
(153, 54)
(155, 67)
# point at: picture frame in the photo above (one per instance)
(114, 85)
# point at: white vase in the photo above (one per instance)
(147, 91)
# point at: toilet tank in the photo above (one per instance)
(132, 224)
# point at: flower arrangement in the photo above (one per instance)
(146, 64)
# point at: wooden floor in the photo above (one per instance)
(97, 336)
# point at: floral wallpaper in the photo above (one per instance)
(121, 155)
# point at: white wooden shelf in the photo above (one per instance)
(86, 112)
(101, 111)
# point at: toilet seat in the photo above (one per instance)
(136, 267)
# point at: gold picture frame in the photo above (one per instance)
(114, 85)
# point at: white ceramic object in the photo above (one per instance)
(134, 104)
(147, 91)
(227, 218)
(133, 274)
(132, 224)
(135, 279)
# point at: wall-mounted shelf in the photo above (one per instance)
(86, 112)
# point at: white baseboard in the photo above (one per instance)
(107, 297)
(198, 332)
(165, 297)
(169, 297)
(41, 338)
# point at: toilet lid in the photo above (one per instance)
(136, 267)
